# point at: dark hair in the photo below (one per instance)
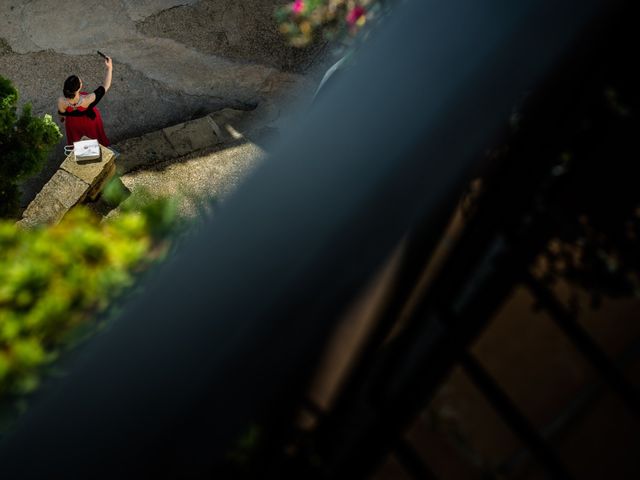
(71, 86)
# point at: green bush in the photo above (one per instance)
(25, 143)
(55, 279)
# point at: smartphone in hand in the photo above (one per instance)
(102, 55)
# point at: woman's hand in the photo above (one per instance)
(108, 63)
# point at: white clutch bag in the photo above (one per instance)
(84, 150)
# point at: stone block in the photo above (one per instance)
(91, 172)
(227, 115)
(229, 123)
(56, 198)
(194, 135)
(107, 174)
(45, 211)
(143, 151)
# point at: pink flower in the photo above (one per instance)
(354, 15)
(297, 6)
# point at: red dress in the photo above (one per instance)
(80, 126)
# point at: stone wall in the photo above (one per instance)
(70, 185)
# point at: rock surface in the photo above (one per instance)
(196, 135)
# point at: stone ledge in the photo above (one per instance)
(72, 183)
(95, 173)
(194, 135)
(89, 172)
(228, 122)
(148, 149)
(62, 192)
(180, 140)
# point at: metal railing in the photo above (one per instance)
(229, 331)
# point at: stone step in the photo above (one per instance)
(70, 185)
(224, 126)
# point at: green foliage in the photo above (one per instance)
(54, 279)
(25, 143)
(114, 192)
(246, 458)
(161, 212)
(301, 21)
(246, 446)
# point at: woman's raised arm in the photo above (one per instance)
(107, 77)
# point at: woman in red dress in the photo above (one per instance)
(78, 110)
